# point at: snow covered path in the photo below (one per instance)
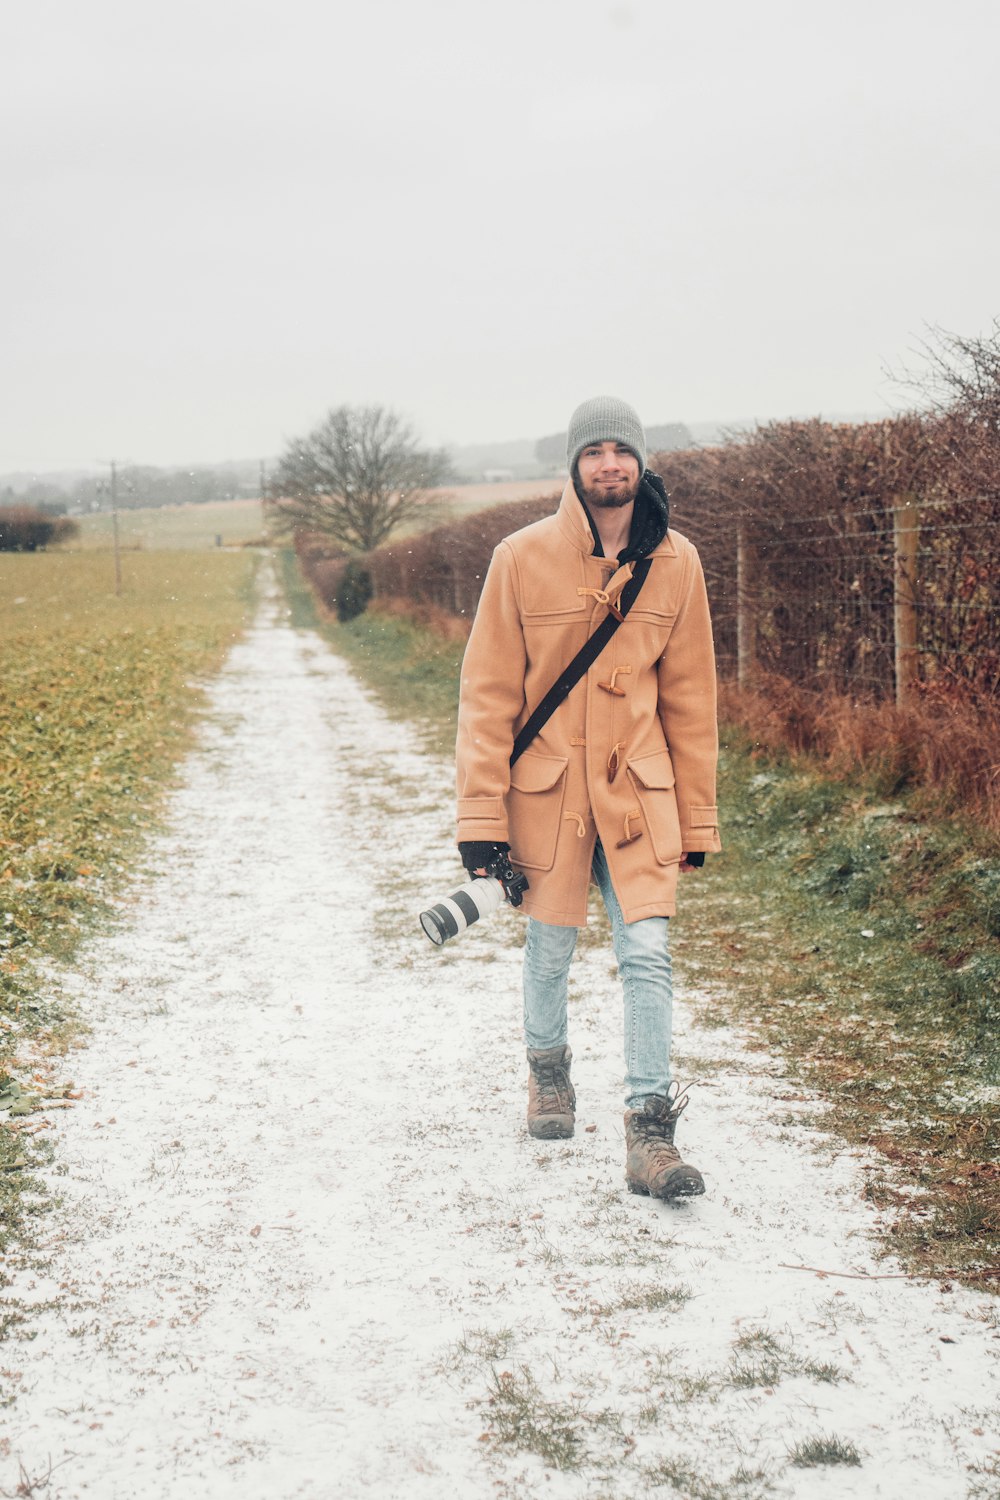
(306, 1237)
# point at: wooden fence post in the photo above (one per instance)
(906, 535)
(746, 619)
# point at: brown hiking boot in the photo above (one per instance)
(654, 1164)
(551, 1100)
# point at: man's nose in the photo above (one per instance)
(610, 461)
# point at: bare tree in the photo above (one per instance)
(960, 382)
(962, 372)
(356, 478)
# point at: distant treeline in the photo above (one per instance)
(138, 487)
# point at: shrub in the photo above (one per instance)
(325, 575)
(354, 591)
(446, 567)
(24, 529)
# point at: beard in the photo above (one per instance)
(599, 498)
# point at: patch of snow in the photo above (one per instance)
(299, 1195)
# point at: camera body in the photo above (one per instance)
(514, 885)
(477, 898)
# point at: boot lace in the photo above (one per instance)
(555, 1092)
(656, 1128)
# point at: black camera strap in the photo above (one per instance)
(584, 658)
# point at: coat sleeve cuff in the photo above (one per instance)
(701, 831)
(481, 819)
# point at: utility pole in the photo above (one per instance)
(112, 490)
(114, 529)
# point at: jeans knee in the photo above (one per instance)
(651, 977)
(546, 972)
(549, 949)
(647, 958)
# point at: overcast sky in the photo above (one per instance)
(222, 217)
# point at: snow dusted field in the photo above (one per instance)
(307, 1248)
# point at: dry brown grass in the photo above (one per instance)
(943, 743)
(428, 616)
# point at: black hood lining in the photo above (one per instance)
(650, 520)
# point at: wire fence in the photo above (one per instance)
(833, 610)
(864, 592)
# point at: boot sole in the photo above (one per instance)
(686, 1184)
(551, 1128)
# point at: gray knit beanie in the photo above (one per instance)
(605, 419)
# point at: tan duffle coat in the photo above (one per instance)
(629, 757)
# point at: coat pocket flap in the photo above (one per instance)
(655, 771)
(704, 817)
(537, 773)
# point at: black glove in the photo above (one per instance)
(478, 856)
(696, 858)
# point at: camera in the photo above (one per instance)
(477, 898)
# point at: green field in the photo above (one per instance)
(219, 523)
(96, 698)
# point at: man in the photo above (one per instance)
(618, 787)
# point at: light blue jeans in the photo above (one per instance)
(643, 952)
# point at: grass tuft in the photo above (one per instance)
(814, 1452)
(984, 1483)
(637, 1296)
(485, 1344)
(760, 1358)
(521, 1417)
(675, 1474)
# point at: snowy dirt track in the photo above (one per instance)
(307, 1249)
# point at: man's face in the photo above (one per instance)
(607, 475)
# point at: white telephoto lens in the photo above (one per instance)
(453, 914)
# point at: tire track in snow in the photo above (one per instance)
(299, 1182)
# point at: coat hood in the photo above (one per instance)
(650, 520)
